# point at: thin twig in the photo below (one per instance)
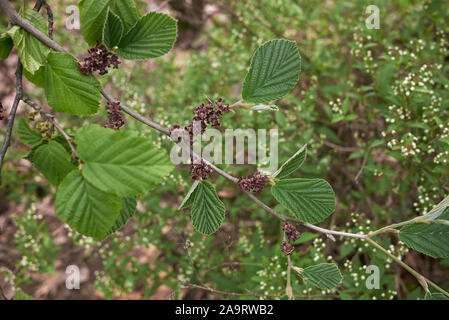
(235, 294)
(421, 279)
(249, 294)
(339, 148)
(50, 20)
(232, 264)
(38, 5)
(19, 94)
(52, 120)
(288, 287)
(365, 158)
(134, 114)
(12, 116)
(17, 20)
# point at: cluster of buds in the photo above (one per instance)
(287, 248)
(99, 59)
(254, 182)
(115, 116)
(45, 128)
(2, 110)
(173, 130)
(209, 114)
(292, 235)
(31, 115)
(200, 171)
(290, 231)
(204, 115)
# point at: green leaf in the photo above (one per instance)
(119, 162)
(384, 76)
(6, 45)
(324, 275)
(32, 52)
(129, 206)
(311, 200)
(113, 30)
(152, 36)
(53, 161)
(291, 165)
(85, 208)
(208, 212)
(93, 15)
(38, 78)
(274, 72)
(27, 135)
(435, 296)
(345, 106)
(188, 200)
(428, 238)
(67, 89)
(437, 210)
(127, 12)
(444, 139)
(20, 295)
(306, 237)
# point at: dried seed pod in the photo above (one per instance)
(287, 248)
(290, 231)
(99, 59)
(115, 116)
(253, 182)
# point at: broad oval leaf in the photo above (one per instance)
(428, 238)
(188, 200)
(67, 89)
(291, 165)
(129, 206)
(113, 30)
(152, 36)
(311, 200)
(28, 135)
(208, 212)
(85, 208)
(127, 11)
(6, 45)
(32, 52)
(274, 71)
(324, 275)
(120, 162)
(93, 15)
(53, 161)
(38, 78)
